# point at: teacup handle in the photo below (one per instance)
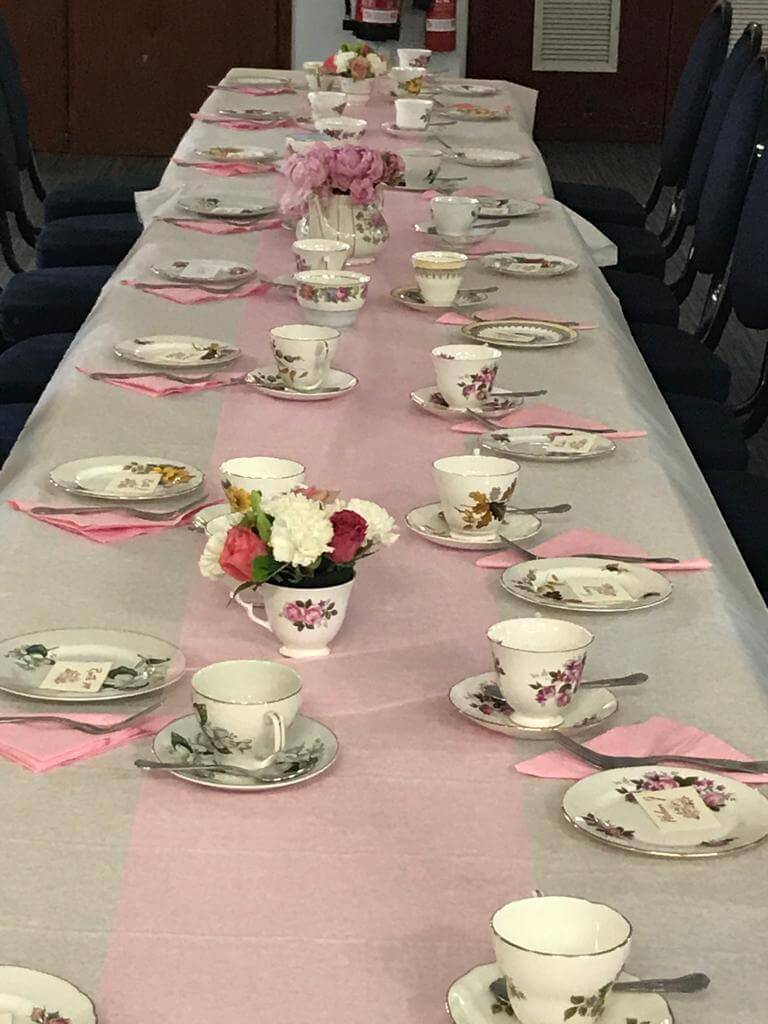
(278, 738)
(250, 613)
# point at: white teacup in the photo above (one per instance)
(539, 663)
(408, 81)
(327, 104)
(474, 491)
(413, 115)
(438, 275)
(557, 953)
(303, 354)
(269, 476)
(411, 58)
(312, 69)
(422, 166)
(454, 215)
(245, 709)
(321, 254)
(465, 374)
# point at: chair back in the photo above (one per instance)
(10, 81)
(749, 269)
(11, 197)
(690, 103)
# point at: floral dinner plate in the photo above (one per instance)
(176, 350)
(430, 400)
(521, 333)
(29, 995)
(586, 584)
(427, 522)
(547, 444)
(127, 477)
(204, 271)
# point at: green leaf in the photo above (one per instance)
(570, 1012)
(577, 999)
(256, 501)
(262, 567)
(263, 526)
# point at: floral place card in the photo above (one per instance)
(133, 483)
(676, 810)
(80, 676)
(598, 590)
(570, 443)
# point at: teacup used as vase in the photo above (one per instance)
(539, 664)
(413, 58)
(321, 254)
(465, 374)
(303, 354)
(413, 115)
(438, 275)
(474, 491)
(422, 166)
(357, 91)
(408, 81)
(270, 476)
(245, 709)
(327, 104)
(304, 620)
(331, 298)
(454, 215)
(557, 954)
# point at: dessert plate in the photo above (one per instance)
(529, 264)
(521, 333)
(225, 206)
(586, 584)
(98, 477)
(237, 154)
(29, 995)
(221, 272)
(544, 444)
(177, 350)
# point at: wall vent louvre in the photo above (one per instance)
(577, 35)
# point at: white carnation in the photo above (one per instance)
(209, 560)
(382, 528)
(301, 529)
(376, 64)
(342, 59)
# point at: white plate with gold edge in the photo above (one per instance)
(267, 380)
(520, 333)
(481, 156)
(479, 699)
(467, 89)
(535, 444)
(426, 521)
(225, 206)
(139, 664)
(180, 351)
(430, 400)
(90, 476)
(603, 807)
(470, 1001)
(310, 750)
(237, 154)
(586, 584)
(218, 272)
(529, 264)
(23, 991)
(466, 298)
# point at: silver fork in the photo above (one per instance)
(94, 730)
(529, 556)
(607, 761)
(140, 513)
(106, 375)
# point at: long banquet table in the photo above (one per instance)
(371, 889)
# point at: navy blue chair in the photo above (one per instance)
(711, 431)
(27, 366)
(598, 203)
(12, 420)
(49, 301)
(743, 503)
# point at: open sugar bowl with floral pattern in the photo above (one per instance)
(474, 491)
(466, 374)
(331, 298)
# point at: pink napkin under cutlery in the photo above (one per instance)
(522, 313)
(188, 296)
(655, 736)
(230, 170)
(576, 542)
(454, 319)
(105, 527)
(547, 416)
(253, 90)
(223, 227)
(44, 746)
(244, 126)
(160, 387)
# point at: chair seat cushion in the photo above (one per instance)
(87, 241)
(48, 301)
(643, 297)
(600, 203)
(12, 420)
(27, 366)
(680, 363)
(743, 502)
(94, 197)
(711, 430)
(640, 251)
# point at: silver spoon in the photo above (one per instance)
(538, 510)
(229, 769)
(635, 679)
(696, 982)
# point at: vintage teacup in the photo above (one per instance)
(438, 275)
(303, 354)
(474, 491)
(539, 663)
(245, 709)
(321, 254)
(557, 954)
(422, 166)
(454, 215)
(465, 374)
(408, 81)
(269, 476)
(341, 129)
(327, 104)
(413, 58)
(331, 298)
(312, 72)
(413, 115)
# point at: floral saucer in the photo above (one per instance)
(604, 806)
(427, 522)
(547, 444)
(470, 1001)
(176, 350)
(129, 664)
(29, 995)
(586, 584)
(479, 699)
(529, 264)
(266, 380)
(310, 749)
(217, 272)
(521, 333)
(225, 206)
(456, 240)
(410, 295)
(127, 477)
(410, 133)
(432, 401)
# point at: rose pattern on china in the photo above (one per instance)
(560, 685)
(312, 293)
(714, 794)
(308, 615)
(606, 828)
(479, 385)
(40, 1015)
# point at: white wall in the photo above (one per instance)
(317, 32)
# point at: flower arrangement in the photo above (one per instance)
(344, 170)
(296, 538)
(357, 62)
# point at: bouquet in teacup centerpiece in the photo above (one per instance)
(356, 66)
(301, 549)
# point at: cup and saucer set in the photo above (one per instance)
(302, 370)
(561, 959)
(458, 221)
(438, 283)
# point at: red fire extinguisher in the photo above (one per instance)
(441, 26)
(374, 20)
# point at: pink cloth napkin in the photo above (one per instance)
(227, 170)
(48, 745)
(454, 319)
(189, 296)
(159, 387)
(547, 415)
(253, 90)
(105, 527)
(512, 312)
(223, 227)
(656, 736)
(244, 126)
(576, 542)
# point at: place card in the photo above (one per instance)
(572, 443)
(599, 590)
(677, 810)
(133, 483)
(76, 676)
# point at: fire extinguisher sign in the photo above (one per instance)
(379, 12)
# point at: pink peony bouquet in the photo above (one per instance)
(356, 62)
(344, 170)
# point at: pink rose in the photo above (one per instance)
(293, 613)
(240, 548)
(358, 68)
(313, 615)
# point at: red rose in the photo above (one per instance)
(329, 64)
(349, 530)
(240, 548)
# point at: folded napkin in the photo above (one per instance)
(576, 542)
(105, 527)
(159, 386)
(230, 170)
(244, 126)
(47, 745)
(656, 736)
(253, 90)
(549, 416)
(513, 312)
(223, 227)
(454, 319)
(187, 296)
